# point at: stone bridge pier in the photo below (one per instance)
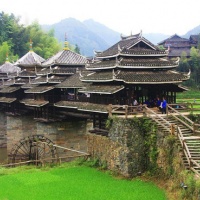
(69, 134)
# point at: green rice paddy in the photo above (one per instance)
(72, 183)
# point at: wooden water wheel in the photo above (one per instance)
(35, 148)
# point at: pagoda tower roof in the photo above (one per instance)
(128, 46)
(8, 67)
(30, 59)
(137, 77)
(65, 57)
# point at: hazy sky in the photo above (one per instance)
(124, 16)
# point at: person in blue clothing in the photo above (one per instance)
(164, 105)
(158, 103)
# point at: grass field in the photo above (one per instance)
(191, 94)
(72, 183)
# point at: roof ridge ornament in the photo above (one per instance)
(66, 47)
(140, 34)
(177, 61)
(115, 74)
(7, 58)
(30, 46)
(80, 74)
(119, 48)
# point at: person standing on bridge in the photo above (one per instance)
(164, 106)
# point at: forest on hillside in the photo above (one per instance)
(191, 64)
(15, 39)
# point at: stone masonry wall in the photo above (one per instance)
(67, 134)
(122, 150)
(3, 136)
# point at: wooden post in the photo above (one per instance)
(126, 111)
(172, 129)
(194, 128)
(192, 108)
(167, 110)
(110, 110)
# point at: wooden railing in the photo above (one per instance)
(184, 120)
(192, 163)
(159, 119)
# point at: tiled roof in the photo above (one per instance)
(9, 82)
(102, 89)
(8, 67)
(60, 70)
(7, 89)
(102, 76)
(44, 71)
(71, 82)
(134, 63)
(142, 52)
(152, 63)
(16, 81)
(39, 89)
(177, 52)
(25, 73)
(151, 77)
(66, 57)
(194, 38)
(63, 70)
(173, 38)
(3, 75)
(30, 59)
(21, 81)
(48, 79)
(28, 85)
(137, 77)
(7, 100)
(34, 103)
(83, 106)
(126, 44)
(107, 64)
(56, 79)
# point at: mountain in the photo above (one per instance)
(107, 34)
(155, 38)
(194, 31)
(88, 35)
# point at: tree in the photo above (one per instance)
(183, 65)
(4, 51)
(195, 65)
(77, 49)
(44, 43)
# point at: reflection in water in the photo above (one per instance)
(3, 155)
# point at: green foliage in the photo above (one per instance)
(190, 186)
(192, 63)
(161, 47)
(170, 145)
(109, 122)
(71, 181)
(44, 44)
(77, 49)
(149, 132)
(17, 37)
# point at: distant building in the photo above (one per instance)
(176, 45)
